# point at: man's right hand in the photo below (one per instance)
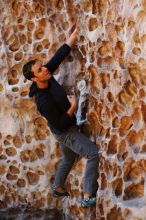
(73, 37)
(72, 100)
(73, 106)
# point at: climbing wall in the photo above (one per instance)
(106, 70)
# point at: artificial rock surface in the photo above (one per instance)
(107, 72)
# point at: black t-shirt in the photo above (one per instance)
(52, 101)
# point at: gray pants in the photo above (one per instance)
(73, 143)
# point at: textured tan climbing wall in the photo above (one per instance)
(107, 68)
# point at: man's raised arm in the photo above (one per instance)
(61, 53)
(72, 39)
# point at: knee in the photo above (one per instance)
(68, 161)
(94, 155)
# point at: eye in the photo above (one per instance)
(39, 69)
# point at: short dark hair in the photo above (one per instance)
(28, 74)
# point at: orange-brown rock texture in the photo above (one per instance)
(107, 72)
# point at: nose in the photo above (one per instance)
(44, 69)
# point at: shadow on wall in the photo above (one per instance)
(33, 214)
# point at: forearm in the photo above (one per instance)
(59, 56)
(71, 110)
(61, 53)
(71, 41)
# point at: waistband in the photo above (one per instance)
(58, 134)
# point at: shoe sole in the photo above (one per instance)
(58, 196)
(87, 206)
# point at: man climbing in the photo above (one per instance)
(59, 110)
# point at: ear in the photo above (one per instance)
(34, 79)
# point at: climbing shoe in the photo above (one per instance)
(87, 202)
(59, 194)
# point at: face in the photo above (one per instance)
(40, 72)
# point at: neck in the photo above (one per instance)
(42, 85)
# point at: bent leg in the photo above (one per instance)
(66, 164)
(91, 174)
(80, 144)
